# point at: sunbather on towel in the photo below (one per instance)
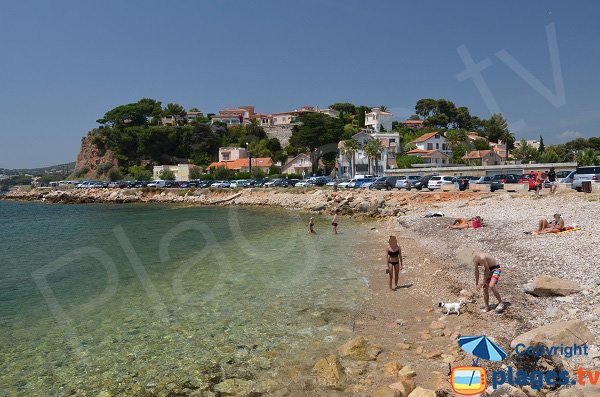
(462, 223)
(555, 226)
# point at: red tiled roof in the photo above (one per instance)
(239, 163)
(426, 136)
(414, 151)
(477, 154)
(413, 122)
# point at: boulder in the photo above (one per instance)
(583, 391)
(391, 368)
(405, 386)
(420, 392)
(553, 334)
(551, 286)
(507, 390)
(359, 349)
(385, 391)
(234, 387)
(407, 372)
(329, 372)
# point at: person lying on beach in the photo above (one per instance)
(311, 226)
(393, 257)
(555, 226)
(491, 276)
(462, 223)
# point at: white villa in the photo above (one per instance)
(433, 141)
(377, 118)
(386, 160)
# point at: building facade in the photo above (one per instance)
(181, 171)
(433, 141)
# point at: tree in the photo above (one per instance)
(524, 152)
(350, 149)
(360, 115)
(194, 109)
(425, 107)
(405, 161)
(222, 173)
(541, 148)
(587, 157)
(456, 138)
(550, 155)
(315, 130)
(496, 129)
(132, 114)
(139, 173)
(115, 174)
(344, 107)
(195, 172)
(373, 149)
(414, 117)
(167, 175)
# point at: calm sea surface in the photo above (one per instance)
(139, 299)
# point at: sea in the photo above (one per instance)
(148, 299)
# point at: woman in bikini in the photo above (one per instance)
(311, 226)
(334, 222)
(393, 257)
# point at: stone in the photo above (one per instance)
(404, 386)
(385, 391)
(553, 334)
(529, 391)
(392, 368)
(359, 349)
(407, 372)
(420, 392)
(329, 372)
(597, 311)
(431, 355)
(507, 390)
(551, 286)
(585, 391)
(234, 387)
(437, 325)
(402, 346)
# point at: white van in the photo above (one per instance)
(157, 183)
(360, 176)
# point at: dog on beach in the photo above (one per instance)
(451, 307)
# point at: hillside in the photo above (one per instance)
(66, 168)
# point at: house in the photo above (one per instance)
(377, 118)
(242, 165)
(171, 120)
(433, 141)
(239, 116)
(386, 160)
(433, 156)
(530, 142)
(482, 157)
(414, 124)
(181, 171)
(264, 120)
(500, 149)
(301, 164)
(286, 118)
(191, 116)
(330, 112)
(474, 136)
(232, 153)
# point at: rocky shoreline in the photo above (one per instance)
(404, 347)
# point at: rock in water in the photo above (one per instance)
(359, 349)
(551, 286)
(329, 372)
(553, 334)
(234, 387)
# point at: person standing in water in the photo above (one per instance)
(393, 257)
(334, 223)
(311, 225)
(491, 276)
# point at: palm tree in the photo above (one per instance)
(373, 149)
(587, 157)
(350, 149)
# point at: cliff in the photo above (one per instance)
(90, 157)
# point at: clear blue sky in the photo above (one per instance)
(64, 63)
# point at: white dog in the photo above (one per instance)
(451, 307)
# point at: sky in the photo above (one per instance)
(63, 64)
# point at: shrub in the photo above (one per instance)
(167, 175)
(115, 174)
(80, 172)
(102, 169)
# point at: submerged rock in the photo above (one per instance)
(359, 349)
(234, 387)
(329, 372)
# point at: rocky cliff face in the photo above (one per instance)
(90, 156)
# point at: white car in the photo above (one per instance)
(344, 185)
(220, 184)
(238, 183)
(303, 183)
(437, 181)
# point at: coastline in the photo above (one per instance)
(425, 339)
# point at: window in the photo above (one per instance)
(225, 156)
(437, 145)
(430, 146)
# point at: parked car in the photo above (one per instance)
(406, 182)
(386, 183)
(498, 181)
(586, 174)
(525, 178)
(367, 185)
(220, 184)
(304, 183)
(359, 182)
(292, 182)
(437, 181)
(421, 183)
(462, 181)
(561, 177)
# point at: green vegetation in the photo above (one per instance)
(167, 175)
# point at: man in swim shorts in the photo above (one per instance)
(491, 276)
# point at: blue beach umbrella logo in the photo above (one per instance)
(481, 347)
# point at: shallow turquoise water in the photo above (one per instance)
(137, 299)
